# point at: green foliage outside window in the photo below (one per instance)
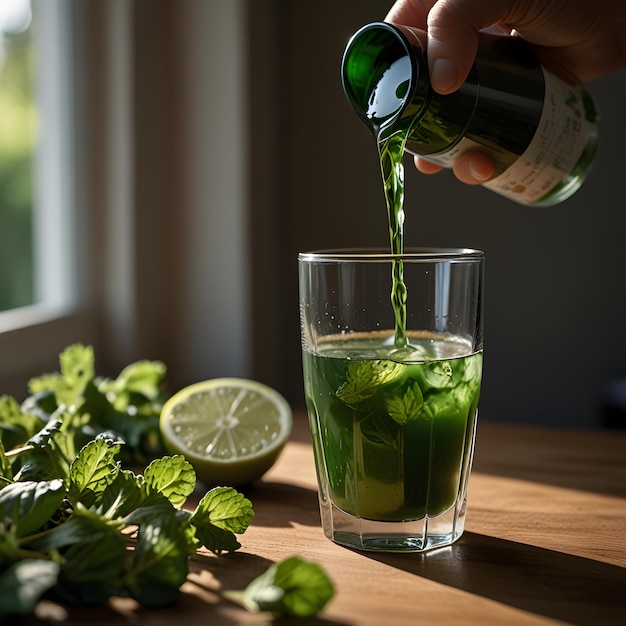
(18, 127)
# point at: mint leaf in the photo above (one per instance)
(220, 514)
(77, 366)
(142, 378)
(48, 453)
(383, 432)
(293, 587)
(408, 406)
(93, 552)
(173, 476)
(121, 496)
(364, 378)
(93, 469)
(77, 369)
(153, 505)
(137, 424)
(27, 506)
(23, 584)
(42, 405)
(43, 438)
(82, 525)
(439, 374)
(226, 508)
(16, 426)
(159, 566)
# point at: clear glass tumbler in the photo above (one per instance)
(392, 360)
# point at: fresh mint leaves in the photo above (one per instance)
(380, 389)
(294, 587)
(408, 406)
(365, 378)
(72, 502)
(128, 405)
(219, 516)
(85, 518)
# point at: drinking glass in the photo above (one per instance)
(392, 361)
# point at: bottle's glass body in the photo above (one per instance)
(540, 131)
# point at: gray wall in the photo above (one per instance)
(555, 295)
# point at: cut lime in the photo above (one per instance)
(231, 430)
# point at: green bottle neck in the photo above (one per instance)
(385, 76)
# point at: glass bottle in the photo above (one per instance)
(541, 131)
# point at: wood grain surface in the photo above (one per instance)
(544, 544)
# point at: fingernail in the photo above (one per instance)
(444, 75)
(479, 172)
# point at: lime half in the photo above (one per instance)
(231, 430)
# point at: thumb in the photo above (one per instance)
(453, 27)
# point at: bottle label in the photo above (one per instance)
(553, 152)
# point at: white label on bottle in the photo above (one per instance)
(559, 141)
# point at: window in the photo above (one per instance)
(42, 274)
(38, 235)
(138, 190)
(18, 127)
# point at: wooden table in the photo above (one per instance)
(544, 544)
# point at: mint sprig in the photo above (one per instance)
(128, 406)
(85, 521)
(72, 502)
(294, 587)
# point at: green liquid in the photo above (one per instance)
(392, 413)
(396, 445)
(390, 151)
(384, 97)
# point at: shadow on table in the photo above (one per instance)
(548, 583)
(591, 461)
(278, 504)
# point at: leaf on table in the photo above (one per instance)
(293, 587)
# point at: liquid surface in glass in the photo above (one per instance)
(394, 437)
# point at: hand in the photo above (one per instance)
(587, 37)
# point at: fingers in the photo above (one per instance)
(426, 167)
(453, 27)
(471, 167)
(410, 12)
